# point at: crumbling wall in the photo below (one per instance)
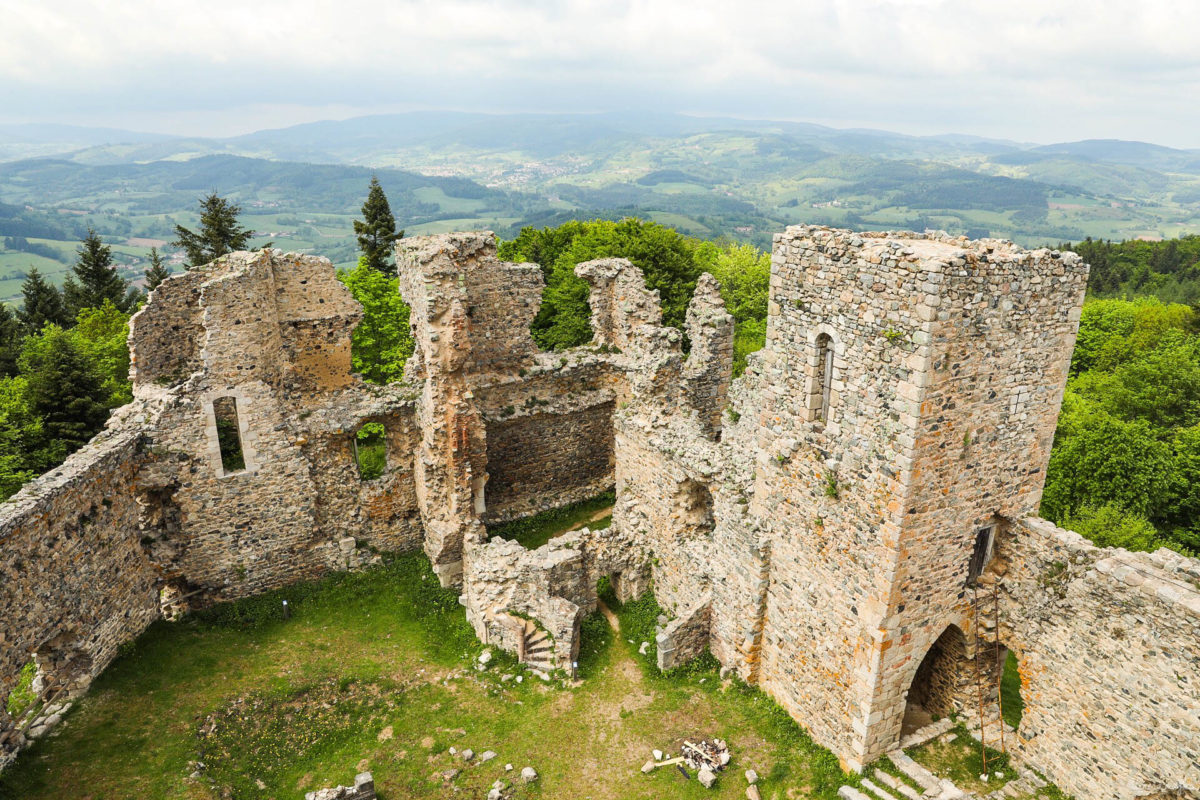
(554, 585)
(686, 636)
(74, 582)
(1109, 650)
(709, 367)
(471, 316)
(549, 434)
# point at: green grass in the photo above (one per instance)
(533, 532)
(1010, 691)
(22, 697)
(374, 670)
(370, 449)
(962, 762)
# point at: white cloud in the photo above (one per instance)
(1031, 69)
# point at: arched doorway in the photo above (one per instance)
(939, 681)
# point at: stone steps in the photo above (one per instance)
(923, 777)
(850, 793)
(876, 790)
(897, 785)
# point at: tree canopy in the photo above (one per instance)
(220, 232)
(377, 230)
(382, 343)
(1125, 469)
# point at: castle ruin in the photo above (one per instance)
(852, 525)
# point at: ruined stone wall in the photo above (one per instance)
(538, 461)
(1108, 644)
(75, 583)
(380, 513)
(549, 434)
(266, 320)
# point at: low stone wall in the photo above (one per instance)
(1109, 648)
(503, 583)
(75, 584)
(686, 636)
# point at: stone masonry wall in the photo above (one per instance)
(860, 481)
(1108, 644)
(75, 583)
(542, 459)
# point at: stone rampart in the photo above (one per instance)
(75, 582)
(1108, 645)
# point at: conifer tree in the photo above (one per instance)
(10, 341)
(220, 232)
(377, 230)
(63, 388)
(95, 279)
(157, 273)
(42, 303)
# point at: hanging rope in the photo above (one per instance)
(978, 674)
(999, 668)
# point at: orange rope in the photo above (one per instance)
(999, 669)
(978, 675)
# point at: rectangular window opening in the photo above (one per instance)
(982, 553)
(229, 435)
(370, 450)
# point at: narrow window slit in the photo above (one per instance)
(229, 435)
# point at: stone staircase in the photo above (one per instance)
(538, 650)
(883, 786)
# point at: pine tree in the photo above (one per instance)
(95, 279)
(63, 388)
(10, 341)
(43, 304)
(377, 230)
(157, 272)
(220, 232)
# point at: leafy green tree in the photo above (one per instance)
(95, 279)
(1099, 459)
(220, 232)
(102, 335)
(157, 273)
(744, 273)
(377, 230)
(23, 452)
(666, 258)
(382, 342)
(11, 335)
(42, 304)
(1111, 525)
(63, 388)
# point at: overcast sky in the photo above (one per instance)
(1032, 70)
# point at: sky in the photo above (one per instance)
(1028, 70)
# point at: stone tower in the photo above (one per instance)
(904, 405)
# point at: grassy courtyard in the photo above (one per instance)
(375, 670)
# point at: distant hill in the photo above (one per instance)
(711, 176)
